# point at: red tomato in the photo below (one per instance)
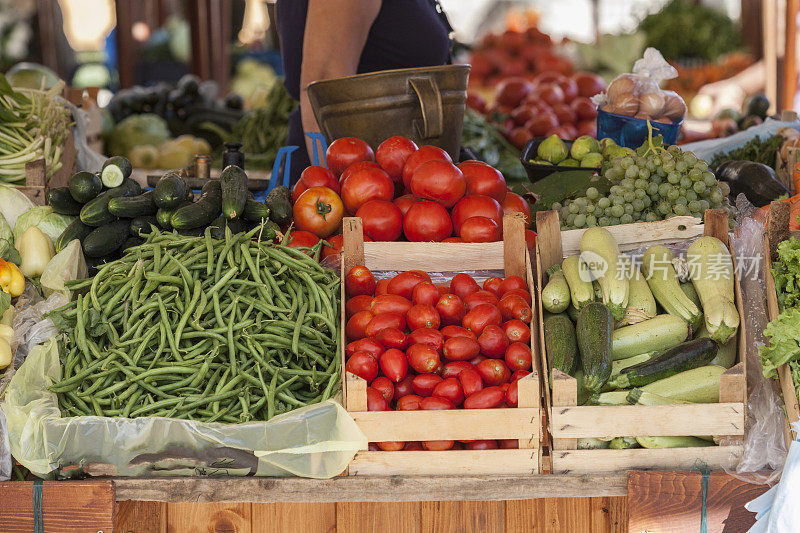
(392, 338)
(424, 154)
(449, 388)
(336, 244)
(451, 332)
(480, 229)
(409, 402)
(518, 357)
(514, 203)
(493, 372)
(392, 155)
(403, 387)
(519, 137)
(413, 447)
(477, 360)
(440, 181)
(471, 381)
(462, 285)
(523, 293)
(476, 205)
(315, 176)
(405, 202)
(393, 364)
(453, 369)
(541, 124)
(451, 309)
(530, 240)
(381, 219)
(483, 179)
(359, 281)
(511, 91)
(452, 239)
(380, 287)
(481, 445)
(369, 346)
(508, 444)
(391, 446)
(512, 397)
(383, 321)
(344, 152)
(487, 398)
(481, 297)
(460, 349)
(511, 283)
(443, 289)
(517, 331)
(403, 284)
(589, 84)
(493, 341)
(438, 445)
(492, 284)
(584, 108)
(357, 325)
(385, 387)
(429, 336)
(423, 384)
(355, 167)
(564, 113)
(427, 221)
(514, 306)
(374, 447)
(302, 239)
(481, 316)
(365, 185)
(423, 358)
(436, 403)
(390, 303)
(362, 302)
(550, 93)
(376, 401)
(519, 374)
(423, 316)
(362, 365)
(425, 293)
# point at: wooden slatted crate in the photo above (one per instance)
(567, 421)
(523, 422)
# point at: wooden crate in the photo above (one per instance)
(36, 184)
(523, 422)
(567, 421)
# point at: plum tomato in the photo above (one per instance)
(462, 285)
(414, 446)
(365, 185)
(481, 316)
(315, 176)
(362, 365)
(512, 282)
(392, 155)
(380, 287)
(431, 337)
(425, 293)
(471, 381)
(480, 445)
(476, 205)
(390, 303)
(492, 284)
(343, 152)
(423, 384)
(519, 374)
(508, 444)
(370, 346)
(403, 387)
(520, 292)
(487, 398)
(376, 401)
(391, 446)
(454, 368)
(440, 181)
(480, 229)
(435, 403)
(452, 239)
(409, 402)
(422, 316)
(359, 280)
(393, 364)
(483, 179)
(381, 219)
(403, 284)
(481, 297)
(450, 332)
(451, 309)
(512, 391)
(357, 325)
(517, 331)
(438, 445)
(423, 358)
(518, 357)
(460, 349)
(513, 306)
(392, 338)
(493, 372)
(514, 203)
(385, 387)
(427, 221)
(449, 388)
(530, 241)
(423, 154)
(362, 302)
(405, 202)
(384, 321)
(493, 342)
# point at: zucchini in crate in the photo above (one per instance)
(594, 329)
(560, 342)
(233, 182)
(62, 202)
(623, 443)
(641, 303)
(577, 276)
(609, 267)
(672, 442)
(658, 333)
(660, 274)
(699, 385)
(555, 295)
(685, 356)
(712, 277)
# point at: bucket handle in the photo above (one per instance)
(430, 103)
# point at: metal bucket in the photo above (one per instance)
(424, 104)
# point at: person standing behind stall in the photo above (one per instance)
(322, 39)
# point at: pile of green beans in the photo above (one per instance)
(195, 328)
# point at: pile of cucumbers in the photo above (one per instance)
(632, 335)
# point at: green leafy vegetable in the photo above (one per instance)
(786, 271)
(784, 334)
(755, 149)
(559, 186)
(479, 135)
(9, 253)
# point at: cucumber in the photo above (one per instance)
(623, 443)
(688, 290)
(255, 211)
(94, 264)
(218, 227)
(142, 225)
(592, 444)
(202, 212)
(164, 216)
(621, 364)
(685, 356)
(555, 295)
(115, 169)
(279, 201)
(640, 397)
(663, 282)
(610, 268)
(62, 202)
(726, 354)
(84, 186)
(234, 191)
(658, 333)
(594, 329)
(698, 385)
(577, 275)
(130, 242)
(170, 191)
(560, 343)
(95, 213)
(193, 232)
(672, 442)
(616, 397)
(133, 206)
(106, 239)
(641, 303)
(713, 280)
(75, 230)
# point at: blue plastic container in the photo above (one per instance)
(631, 132)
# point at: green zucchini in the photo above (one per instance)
(95, 212)
(726, 354)
(660, 274)
(641, 304)
(203, 211)
(234, 191)
(255, 211)
(609, 267)
(592, 444)
(142, 225)
(133, 206)
(560, 342)
(713, 280)
(218, 227)
(115, 169)
(658, 333)
(577, 275)
(583, 394)
(688, 290)
(621, 364)
(84, 186)
(594, 329)
(640, 397)
(106, 239)
(623, 443)
(685, 356)
(555, 295)
(572, 313)
(75, 230)
(170, 191)
(672, 442)
(62, 202)
(698, 385)
(279, 201)
(615, 397)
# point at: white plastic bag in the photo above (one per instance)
(67, 265)
(777, 510)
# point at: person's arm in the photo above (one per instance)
(336, 31)
(731, 92)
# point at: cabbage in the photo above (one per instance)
(51, 224)
(13, 203)
(137, 130)
(5, 229)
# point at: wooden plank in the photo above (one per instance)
(716, 225)
(470, 462)
(203, 517)
(618, 514)
(305, 517)
(598, 515)
(372, 488)
(564, 394)
(609, 421)
(383, 517)
(514, 246)
(66, 506)
(352, 243)
(443, 517)
(35, 181)
(585, 461)
(639, 235)
(789, 64)
(140, 517)
(434, 256)
(671, 502)
(770, 55)
(356, 394)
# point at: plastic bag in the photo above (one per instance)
(776, 510)
(317, 441)
(5, 451)
(67, 265)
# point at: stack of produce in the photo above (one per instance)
(421, 346)
(638, 96)
(641, 336)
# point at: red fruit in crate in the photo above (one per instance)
(376, 401)
(355, 167)
(370, 346)
(587, 127)
(550, 93)
(541, 123)
(493, 372)
(429, 336)
(385, 387)
(523, 293)
(344, 152)
(452, 239)
(481, 229)
(362, 365)
(450, 332)
(438, 445)
(518, 357)
(450, 389)
(511, 91)
(440, 181)
(569, 88)
(381, 219)
(508, 444)
(413, 447)
(423, 154)
(393, 364)
(517, 331)
(362, 302)
(477, 360)
(471, 381)
(481, 445)
(302, 239)
(359, 280)
(427, 221)
(357, 325)
(405, 202)
(492, 284)
(476, 205)
(584, 108)
(391, 446)
(365, 185)
(460, 349)
(519, 137)
(519, 374)
(589, 84)
(493, 341)
(453, 369)
(481, 297)
(511, 283)
(564, 113)
(530, 241)
(390, 303)
(404, 283)
(409, 402)
(315, 176)
(423, 384)
(336, 243)
(392, 155)
(443, 289)
(380, 287)
(481, 316)
(403, 387)
(425, 293)
(451, 309)
(423, 316)
(462, 285)
(423, 358)
(392, 338)
(483, 179)
(436, 403)
(511, 394)
(476, 101)
(384, 321)
(487, 398)
(513, 306)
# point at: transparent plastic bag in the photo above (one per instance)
(317, 441)
(5, 451)
(67, 265)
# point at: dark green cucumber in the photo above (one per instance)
(106, 239)
(142, 225)
(62, 201)
(233, 182)
(279, 202)
(115, 169)
(685, 356)
(218, 227)
(76, 230)
(255, 211)
(94, 264)
(133, 206)
(85, 186)
(164, 216)
(560, 343)
(170, 191)
(95, 213)
(594, 329)
(130, 242)
(203, 211)
(193, 232)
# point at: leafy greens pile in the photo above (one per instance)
(784, 331)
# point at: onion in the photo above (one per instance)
(623, 86)
(627, 105)
(674, 106)
(663, 119)
(652, 104)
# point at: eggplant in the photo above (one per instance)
(758, 182)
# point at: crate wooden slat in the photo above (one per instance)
(522, 423)
(568, 421)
